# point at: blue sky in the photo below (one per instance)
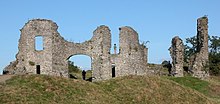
(156, 21)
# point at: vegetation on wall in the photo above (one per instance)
(31, 63)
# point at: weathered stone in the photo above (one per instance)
(53, 59)
(132, 57)
(199, 61)
(177, 53)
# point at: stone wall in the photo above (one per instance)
(199, 61)
(131, 59)
(97, 48)
(53, 59)
(28, 57)
(177, 53)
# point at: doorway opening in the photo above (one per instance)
(76, 65)
(113, 71)
(38, 69)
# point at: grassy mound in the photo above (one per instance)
(124, 90)
(210, 88)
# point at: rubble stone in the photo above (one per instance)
(177, 55)
(53, 59)
(199, 61)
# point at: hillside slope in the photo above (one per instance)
(125, 90)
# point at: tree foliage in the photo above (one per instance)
(214, 63)
(190, 48)
(215, 44)
(214, 52)
(214, 55)
(72, 68)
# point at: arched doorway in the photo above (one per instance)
(78, 63)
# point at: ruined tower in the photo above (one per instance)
(177, 53)
(199, 61)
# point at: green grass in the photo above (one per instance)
(78, 74)
(192, 82)
(210, 88)
(124, 90)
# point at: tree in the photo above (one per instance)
(214, 53)
(190, 48)
(215, 44)
(214, 63)
(72, 68)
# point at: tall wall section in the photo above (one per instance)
(177, 53)
(199, 61)
(132, 57)
(28, 57)
(97, 48)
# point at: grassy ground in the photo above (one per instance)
(78, 74)
(125, 90)
(210, 87)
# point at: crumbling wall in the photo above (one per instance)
(177, 55)
(53, 59)
(97, 48)
(199, 61)
(131, 59)
(28, 57)
(56, 51)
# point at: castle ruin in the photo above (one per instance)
(53, 58)
(177, 53)
(131, 59)
(199, 61)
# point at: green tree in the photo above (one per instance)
(215, 44)
(72, 68)
(214, 52)
(214, 55)
(190, 47)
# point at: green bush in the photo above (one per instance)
(214, 63)
(72, 68)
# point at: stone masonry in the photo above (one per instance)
(53, 59)
(132, 57)
(177, 53)
(199, 61)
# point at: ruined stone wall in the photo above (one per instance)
(53, 59)
(28, 57)
(56, 51)
(177, 55)
(97, 48)
(131, 59)
(199, 61)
